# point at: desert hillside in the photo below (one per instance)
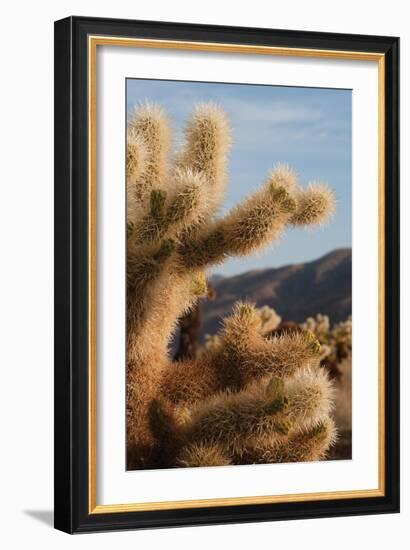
(294, 291)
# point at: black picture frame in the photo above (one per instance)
(72, 513)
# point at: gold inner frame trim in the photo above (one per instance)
(93, 42)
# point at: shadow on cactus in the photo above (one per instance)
(248, 399)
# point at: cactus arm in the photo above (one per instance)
(207, 144)
(300, 446)
(250, 226)
(191, 380)
(145, 268)
(150, 127)
(246, 355)
(136, 162)
(242, 356)
(272, 409)
(315, 205)
(197, 454)
(169, 214)
(257, 221)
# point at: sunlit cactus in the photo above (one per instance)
(250, 398)
(273, 410)
(336, 341)
(269, 321)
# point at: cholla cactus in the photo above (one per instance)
(342, 333)
(269, 320)
(336, 342)
(250, 398)
(319, 325)
(211, 341)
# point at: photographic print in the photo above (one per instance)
(226, 274)
(239, 293)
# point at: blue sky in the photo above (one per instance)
(307, 128)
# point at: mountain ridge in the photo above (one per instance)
(295, 291)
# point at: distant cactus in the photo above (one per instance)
(250, 399)
(189, 327)
(269, 319)
(336, 341)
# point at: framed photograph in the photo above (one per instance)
(226, 274)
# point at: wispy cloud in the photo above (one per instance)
(272, 112)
